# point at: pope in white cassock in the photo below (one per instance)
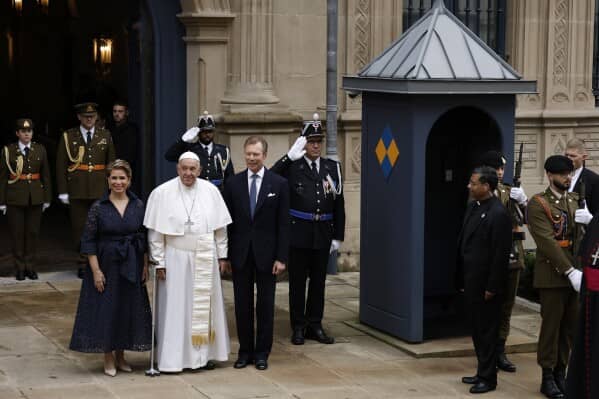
(187, 233)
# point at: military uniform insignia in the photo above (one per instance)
(102, 142)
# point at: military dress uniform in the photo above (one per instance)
(215, 159)
(317, 212)
(551, 223)
(81, 172)
(24, 187)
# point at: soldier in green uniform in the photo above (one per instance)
(81, 158)
(25, 192)
(510, 197)
(552, 220)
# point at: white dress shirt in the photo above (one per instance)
(317, 160)
(208, 148)
(258, 181)
(23, 146)
(575, 178)
(84, 132)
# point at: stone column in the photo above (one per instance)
(251, 78)
(552, 41)
(207, 24)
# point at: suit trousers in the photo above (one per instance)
(243, 288)
(24, 224)
(485, 317)
(559, 314)
(78, 209)
(513, 277)
(307, 263)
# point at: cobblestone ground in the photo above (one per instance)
(36, 321)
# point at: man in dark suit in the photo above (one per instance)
(258, 201)
(317, 211)
(215, 159)
(484, 248)
(578, 154)
(127, 141)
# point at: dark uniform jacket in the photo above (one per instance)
(88, 183)
(484, 249)
(212, 169)
(311, 194)
(591, 182)
(517, 253)
(552, 259)
(126, 142)
(29, 191)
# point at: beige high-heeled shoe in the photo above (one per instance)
(124, 366)
(109, 369)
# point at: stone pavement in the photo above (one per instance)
(36, 321)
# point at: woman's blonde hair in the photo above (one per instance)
(119, 164)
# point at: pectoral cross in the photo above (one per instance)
(595, 256)
(188, 224)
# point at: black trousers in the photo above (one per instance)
(485, 317)
(303, 264)
(258, 345)
(24, 225)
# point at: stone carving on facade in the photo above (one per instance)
(356, 156)
(560, 44)
(558, 143)
(560, 98)
(362, 37)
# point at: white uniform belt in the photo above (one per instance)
(186, 242)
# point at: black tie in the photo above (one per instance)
(26, 152)
(206, 150)
(89, 138)
(314, 169)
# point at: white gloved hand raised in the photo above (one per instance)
(297, 149)
(3, 209)
(191, 136)
(64, 198)
(45, 206)
(583, 216)
(575, 277)
(518, 195)
(335, 244)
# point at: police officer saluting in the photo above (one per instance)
(215, 159)
(82, 155)
(317, 227)
(554, 222)
(25, 192)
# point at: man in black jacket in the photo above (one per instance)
(317, 212)
(127, 142)
(484, 248)
(578, 154)
(258, 201)
(215, 159)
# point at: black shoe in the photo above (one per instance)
(81, 272)
(482, 387)
(210, 365)
(548, 386)
(242, 362)
(20, 275)
(560, 379)
(470, 380)
(32, 275)
(297, 338)
(319, 335)
(261, 364)
(504, 364)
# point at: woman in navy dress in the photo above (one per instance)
(114, 312)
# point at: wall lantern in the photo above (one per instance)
(103, 51)
(18, 6)
(44, 4)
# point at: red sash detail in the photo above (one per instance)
(591, 276)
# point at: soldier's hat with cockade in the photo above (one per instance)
(24, 124)
(313, 129)
(206, 122)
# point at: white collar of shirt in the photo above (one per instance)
(23, 146)
(317, 160)
(208, 147)
(575, 178)
(259, 179)
(84, 132)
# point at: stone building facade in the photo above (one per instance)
(260, 66)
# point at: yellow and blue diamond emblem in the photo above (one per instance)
(387, 152)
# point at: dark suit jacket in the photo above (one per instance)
(484, 248)
(591, 182)
(268, 233)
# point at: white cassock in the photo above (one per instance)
(191, 325)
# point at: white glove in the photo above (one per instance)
(191, 136)
(45, 206)
(297, 149)
(575, 277)
(3, 209)
(583, 216)
(518, 195)
(335, 244)
(64, 198)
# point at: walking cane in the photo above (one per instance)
(152, 372)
